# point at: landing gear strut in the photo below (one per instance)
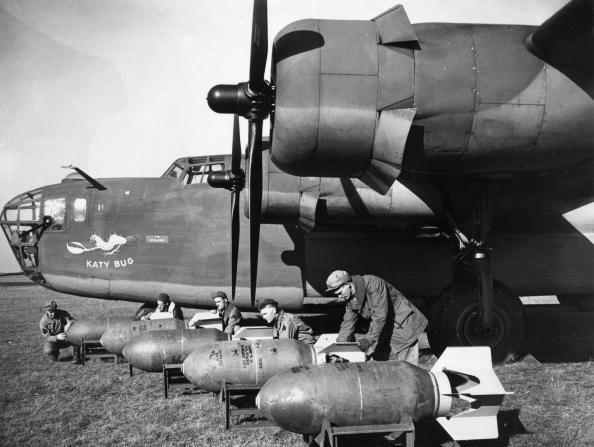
(476, 310)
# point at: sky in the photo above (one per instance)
(118, 87)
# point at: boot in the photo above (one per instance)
(76, 355)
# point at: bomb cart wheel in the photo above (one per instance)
(455, 320)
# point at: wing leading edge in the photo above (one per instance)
(565, 41)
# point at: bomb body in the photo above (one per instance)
(244, 361)
(151, 350)
(348, 394)
(377, 393)
(115, 337)
(91, 329)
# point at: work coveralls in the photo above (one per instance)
(396, 323)
(50, 327)
(292, 327)
(231, 318)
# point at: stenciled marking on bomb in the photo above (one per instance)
(247, 356)
(244, 361)
(216, 356)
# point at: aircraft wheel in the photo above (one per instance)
(455, 321)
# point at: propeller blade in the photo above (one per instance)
(259, 50)
(236, 148)
(255, 199)
(234, 239)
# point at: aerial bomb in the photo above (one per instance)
(151, 350)
(375, 393)
(115, 337)
(244, 361)
(90, 329)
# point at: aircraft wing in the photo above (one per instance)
(565, 41)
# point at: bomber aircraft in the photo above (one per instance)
(453, 160)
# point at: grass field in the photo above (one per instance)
(62, 404)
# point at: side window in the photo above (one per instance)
(56, 208)
(79, 210)
(198, 174)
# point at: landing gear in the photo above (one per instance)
(456, 320)
(476, 310)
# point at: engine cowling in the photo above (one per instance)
(355, 120)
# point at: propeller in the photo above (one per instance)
(234, 181)
(254, 101)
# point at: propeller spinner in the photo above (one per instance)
(254, 101)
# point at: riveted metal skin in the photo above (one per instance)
(244, 361)
(348, 394)
(151, 350)
(115, 338)
(461, 100)
(91, 329)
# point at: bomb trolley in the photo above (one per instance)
(173, 378)
(94, 349)
(330, 435)
(250, 391)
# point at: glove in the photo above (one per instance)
(61, 336)
(365, 344)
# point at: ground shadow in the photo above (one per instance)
(559, 334)
(430, 434)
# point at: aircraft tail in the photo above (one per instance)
(470, 374)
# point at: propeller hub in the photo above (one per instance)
(227, 180)
(242, 100)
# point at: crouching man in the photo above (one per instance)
(53, 325)
(285, 325)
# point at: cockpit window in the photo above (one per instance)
(174, 171)
(79, 210)
(56, 208)
(29, 211)
(198, 174)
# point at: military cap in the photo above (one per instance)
(218, 294)
(268, 302)
(337, 279)
(163, 297)
(52, 305)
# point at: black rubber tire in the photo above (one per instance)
(454, 321)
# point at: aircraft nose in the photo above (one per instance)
(23, 225)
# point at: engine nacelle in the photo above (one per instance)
(355, 120)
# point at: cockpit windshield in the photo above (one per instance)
(22, 224)
(174, 172)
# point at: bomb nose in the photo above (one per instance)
(126, 353)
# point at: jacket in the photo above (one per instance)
(50, 327)
(231, 318)
(394, 319)
(292, 327)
